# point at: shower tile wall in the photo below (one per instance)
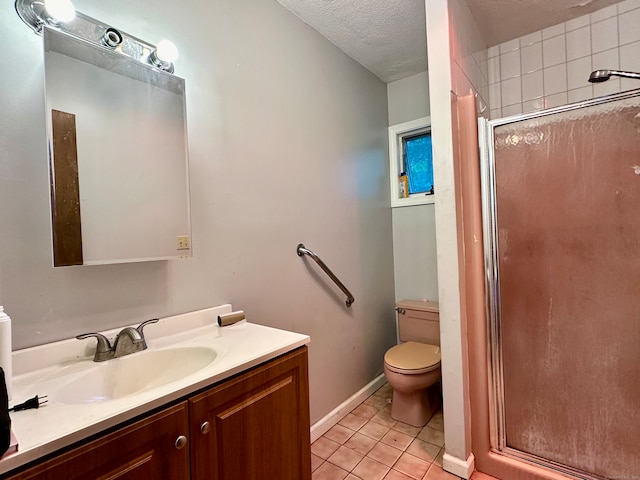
(550, 67)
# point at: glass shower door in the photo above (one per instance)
(561, 193)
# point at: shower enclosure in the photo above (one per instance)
(561, 214)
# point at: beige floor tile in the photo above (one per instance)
(481, 476)
(351, 476)
(328, 471)
(361, 443)
(412, 466)
(345, 458)
(324, 448)
(396, 475)
(353, 422)
(437, 421)
(424, 450)
(438, 460)
(383, 417)
(339, 434)
(374, 430)
(437, 473)
(385, 454)
(316, 461)
(364, 411)
(432, 435)
(397, 439)
(377, 401)
(408, 429)
(384, 391)
(369, 469)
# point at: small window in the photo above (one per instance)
(410, 154)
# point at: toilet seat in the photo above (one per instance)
(412, 358)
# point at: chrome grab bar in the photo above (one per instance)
(302, 250)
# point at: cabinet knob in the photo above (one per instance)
(205, 428)
(181, 442)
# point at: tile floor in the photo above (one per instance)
(369, 445)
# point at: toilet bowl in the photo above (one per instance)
(413, 366)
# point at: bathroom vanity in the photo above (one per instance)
(245, 415)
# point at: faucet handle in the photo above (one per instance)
(103, 349)
(145, 323)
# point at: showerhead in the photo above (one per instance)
(600, 76)
(604, 75)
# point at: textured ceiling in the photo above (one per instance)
(388, 36)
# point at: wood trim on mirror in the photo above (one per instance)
(65, 191)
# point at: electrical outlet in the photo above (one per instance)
(183, 242)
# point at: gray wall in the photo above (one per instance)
(414, 234)
(287, 140)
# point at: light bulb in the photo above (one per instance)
(166, 51)
(61, 10)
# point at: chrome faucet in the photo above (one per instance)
(129, 340)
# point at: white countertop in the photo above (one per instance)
(44, 369)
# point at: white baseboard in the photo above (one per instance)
(329, 420)
(459, 467)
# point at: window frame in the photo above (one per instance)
(396, 134)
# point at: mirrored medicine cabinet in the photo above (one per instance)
(117, 145)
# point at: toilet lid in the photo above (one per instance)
(414, 356)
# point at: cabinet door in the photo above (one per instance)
(255, 426)
(145, 450)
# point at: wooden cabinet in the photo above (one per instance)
(148, 449)
(254, 426)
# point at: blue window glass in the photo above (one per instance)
(418, 163)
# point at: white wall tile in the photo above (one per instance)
(511, 91)
(496, 113)
(609, 60)
(629, 27)
(555, 79)
(579, 22)
(554, 51)
(512, 110)
(607, 12)
(553, 31)
(630, 57)
(532, 85)
(494, 69)
(509, 46)
(495, 96)
(580, 94)
(531, 38)
(579, 43)
(556, 100)
(510, 64)
(628, 5)
(493, 51)
(531, 58)
(533, 105)
(606, 88)
(604, 35)
(629, 84)
(578, 72)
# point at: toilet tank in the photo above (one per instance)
(418, 321)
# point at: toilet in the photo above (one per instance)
(412, 366)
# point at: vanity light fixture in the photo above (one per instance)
(62, 16)
(111, 38)
(37, 14)
(59, 11)
(164, 55)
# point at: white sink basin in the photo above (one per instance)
(121, 377)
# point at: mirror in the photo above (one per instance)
(117, 144)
